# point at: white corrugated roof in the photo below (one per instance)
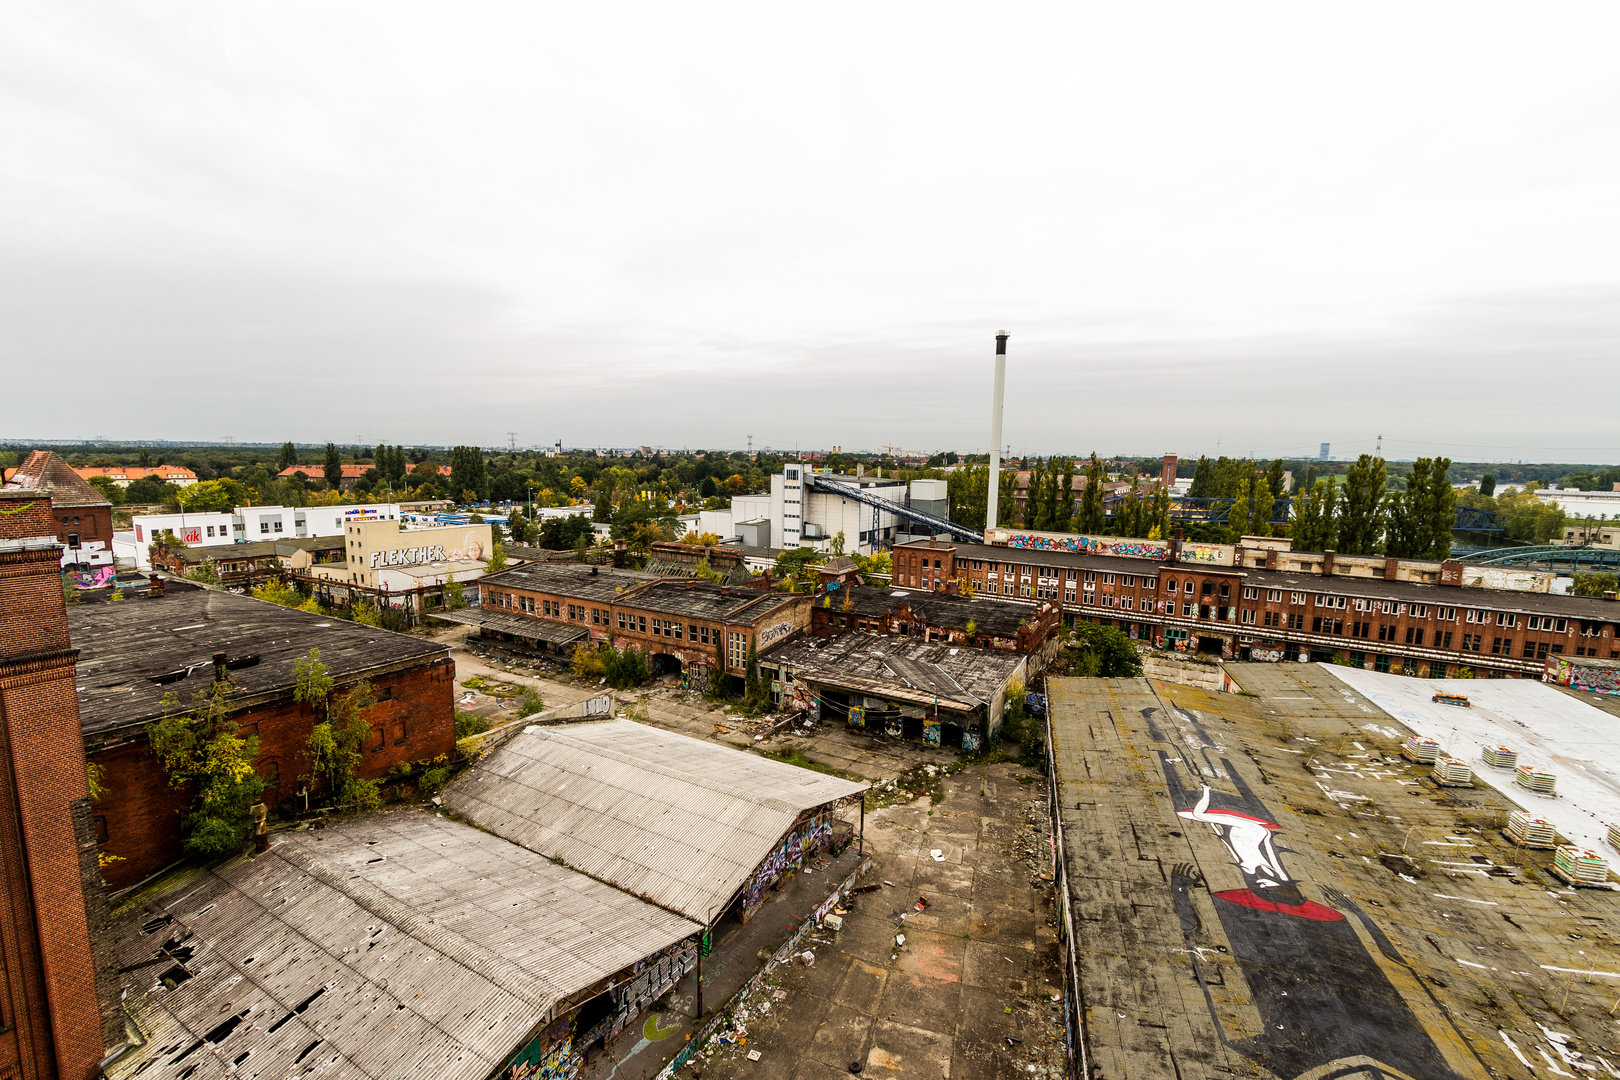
(672, 819)
(398, 944)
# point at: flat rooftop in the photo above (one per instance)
(578, 580)
(904, 668)
(1260, 887)
(124, 647)
(1559, 732)
(396, 944)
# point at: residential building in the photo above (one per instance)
(134, 655)
(352, 472)
(325, 956)
(125, 475)
(899, 686)
(83, 517)
(1415, 617)
(685, 625)
(54, 1020)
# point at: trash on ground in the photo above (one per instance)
(899, 939)
(808, 957)
(939, 856)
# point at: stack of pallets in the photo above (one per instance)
(1614, 836)
(1450, 770)
(1501, 757)
(1580, 866)
(1531, 831)
(1421, 750)
(1538, 780)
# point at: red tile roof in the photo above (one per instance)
(46, 472)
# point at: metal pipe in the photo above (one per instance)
(993, 496)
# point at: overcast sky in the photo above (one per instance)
(682, 224)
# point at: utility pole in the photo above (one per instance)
(512, 435)
(750, 446)
(1379, 452)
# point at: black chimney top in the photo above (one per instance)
(1001, 343)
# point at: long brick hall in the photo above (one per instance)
(51, 1016)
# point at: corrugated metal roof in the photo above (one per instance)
(534, 629)
(672, 819)
(394, 945)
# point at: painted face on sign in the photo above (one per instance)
(475, 547)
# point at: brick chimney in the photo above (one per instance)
(60, 1012)
(1392, 568)
(1327, 563)
(1271, 558)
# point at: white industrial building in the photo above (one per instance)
(796, 514)
(243, 525)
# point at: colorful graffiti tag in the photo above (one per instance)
(1090, 545)
(549, 1057)
(1216, 554)
(99, 578)
(785, 859)
(1592, 678)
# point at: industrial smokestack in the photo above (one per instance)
(994, 495)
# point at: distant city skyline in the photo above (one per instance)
(1272, 226)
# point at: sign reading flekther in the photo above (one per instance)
(407, 556)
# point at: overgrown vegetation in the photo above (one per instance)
(622, 668)
(201, 748)
(339, 732)
(1595, 583)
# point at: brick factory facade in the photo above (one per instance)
(53, 1019)
(134, 653)
(680, 624)
(1416, 618)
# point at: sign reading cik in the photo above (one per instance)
(407, 556)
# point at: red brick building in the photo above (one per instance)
(51, 1013)
(679, 624)
(82, 517)
(1432, 627)
(136, 652)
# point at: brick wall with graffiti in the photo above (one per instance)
(1086, 545)
(805, 837)
(1599, 678)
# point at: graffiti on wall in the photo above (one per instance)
(1218, 554)
(99, 578)
(549, 1057)
(1352, 1016)
(931, 730)
(773, 634)
(1592, 678)
(788, 857)
(1090, 545)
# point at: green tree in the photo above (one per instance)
(453, 596)
(109, 489)
(468, 471)
(1104, 652)
(755, 696)
(1487, 485)
(602, 511)
(1361, 518)
(1595, 583)
(289, 455)
(1316, 518)
(202, 749)
(204, 573)
(1527, 517)
(1203, 485)
(1090, 518)
(1063, 512)
(1422, 515)
(339, 732)
(332, 470)
(497, 558)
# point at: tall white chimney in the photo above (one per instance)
(993, 498)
